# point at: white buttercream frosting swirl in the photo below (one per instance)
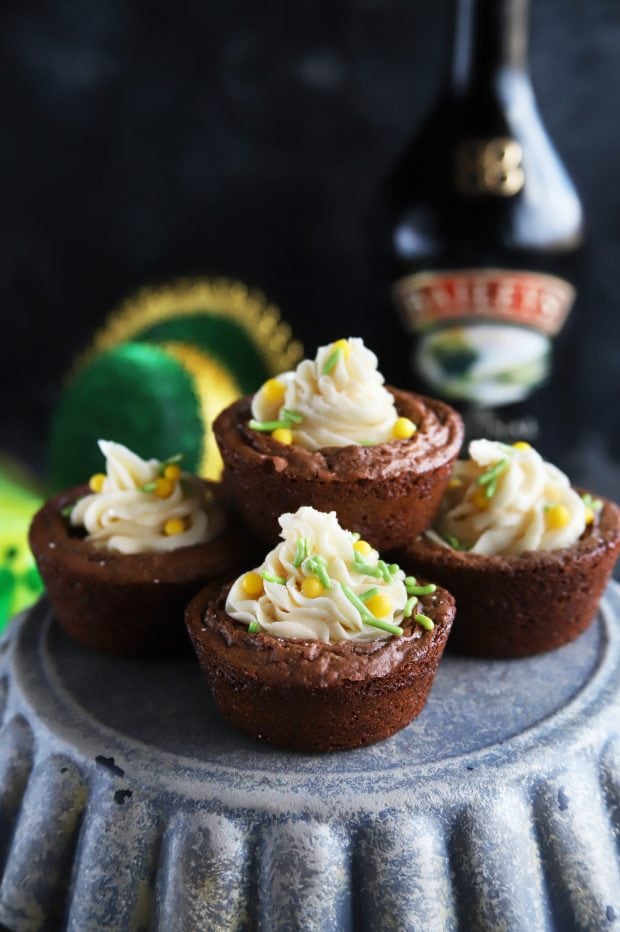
(348, 404)
(284, 611)
(532, 505)
(124, 518)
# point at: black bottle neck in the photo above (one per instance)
(490, 39)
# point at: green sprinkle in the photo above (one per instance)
(490, 476)
(410, 604)
(410, 581)
(421, 590)
(590, 502)
(454, 542)
(170, 462)
(332, 361)
(367, 443)
(364, 596)
(149, 487)
(66, 511)
(366, 569)
(324, 579)
(301, 548)
(493, 472)
(366, 616)
(271, 577)
(394, 568)
(293, 416)
(427, 623)
(357, 603)
(317, 567)
(385, 626)
(268, 426)
(253, 627)
(384, 570)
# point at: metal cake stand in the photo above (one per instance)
(126, 803)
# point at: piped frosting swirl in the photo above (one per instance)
(322, 583)
(337, 399)
(128, 513)
(508, 500)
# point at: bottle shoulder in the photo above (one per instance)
(483, 175)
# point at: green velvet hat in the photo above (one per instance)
(161, 369)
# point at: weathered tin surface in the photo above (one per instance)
(126, 803)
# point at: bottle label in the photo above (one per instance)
(489, 166)
(484, 334)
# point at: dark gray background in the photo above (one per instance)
(145, 141)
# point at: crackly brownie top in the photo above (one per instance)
(436, 441)
(313, 663)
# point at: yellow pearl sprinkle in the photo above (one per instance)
(311, 587)
(363, 547)
(273, 391)
(96, 482)
(172, 472)
(164, 487)
(283, 435)
(403, 428)
(380, 606)
(455, 483)
(174, 526)
(252, 585)
(479, 499)
(589, 515)
(522, 445)
(343, 346)
(557, 517)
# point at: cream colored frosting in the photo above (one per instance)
(121, 517)
(515, 518)
(349, 405)
(284, 611)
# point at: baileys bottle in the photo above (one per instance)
(484, 230)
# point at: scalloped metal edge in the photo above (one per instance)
(97, 844)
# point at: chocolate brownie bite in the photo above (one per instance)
(122, 557)
(323, 647)
(332, 435)
(526, 556)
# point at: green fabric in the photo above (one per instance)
(20, 583)
(223, 339)
(135, 394)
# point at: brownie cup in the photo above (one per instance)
(386, 492)
(130, 604)
(522, 604)
(306, 695)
